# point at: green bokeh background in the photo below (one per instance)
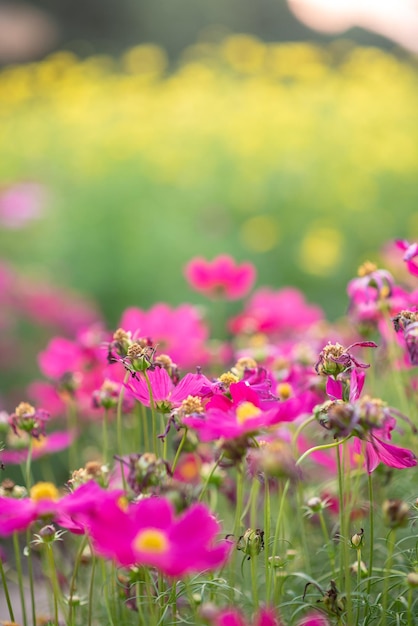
(300, 158)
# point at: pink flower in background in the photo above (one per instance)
(21, 204)
(276, 312)
(233, 617)
(48, 444)
(179, 332)
(148, 533)
(49, 306)
(221, 277)
(16, 514)
(410, 253)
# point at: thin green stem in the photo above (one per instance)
(91, 590)
(74, 579)
(105, 435)
(358, 584)
(119, 438)
(20, 576)
(54, 581)
(209, 477)
(267, 531)
(385, 594)
(153, 412)
(6, 591)
(30, 572)
(28, 470)
(328, 542)
(345, 580)
(326, 446)
(371, 532)
(179, 449)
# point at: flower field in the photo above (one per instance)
(153, 475)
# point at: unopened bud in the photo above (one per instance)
(357, 539)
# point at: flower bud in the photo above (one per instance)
(412, 579)
(357, 539)
(251, 542)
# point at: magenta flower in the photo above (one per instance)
(410, 253)
(276, 312)
(244, 415)
(148, 533)
(180, 332)
(221, 277)
(166, 395)
(233, 617)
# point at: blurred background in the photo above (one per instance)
(137, 134)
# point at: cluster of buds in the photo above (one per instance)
(146, 471)
(30, 420)
(274, 459)
(358, 418)
(92, 471)
(8, 489)
(107, 396)
(136, 355)
(334, 359)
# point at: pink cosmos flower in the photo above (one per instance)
(180, 332)
(221, 277)
(48, 444)
(233, 617)
(244, 414)
(166, 395)
(148, 533)
(411, 252)
(276, 312)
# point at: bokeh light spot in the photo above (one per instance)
(260, 233)
(321, 251)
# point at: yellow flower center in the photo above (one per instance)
(44, 491)
(284, 391)
(152, 541)
(247, 411)
(40, 443)
(123, 503)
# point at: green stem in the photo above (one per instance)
(119, 428)
(74, 579)
(153, 412)
(277, 531)
(28, 472)
(209, 477)
(345, 580)
(30, 572)
(91, 590)
(358, 584)
(54, 581)
(386, 578)
(371, 532)
(325, 446)
(328, 542)
(6, 591)
(20, 576)
(105, 436)
(179, 449)
(255, 488)
(267, 531)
